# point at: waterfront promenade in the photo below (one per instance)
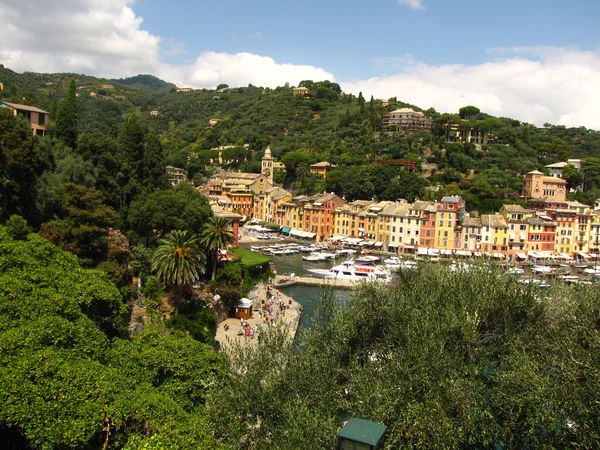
(231, 334)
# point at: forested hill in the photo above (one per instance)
(329, 125)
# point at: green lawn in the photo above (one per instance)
(250, 258)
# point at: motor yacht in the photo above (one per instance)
(348, 270)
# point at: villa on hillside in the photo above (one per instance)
(537, 185)
(301, 91)
(406, 120)
(38, 118)
(176, 175)
(321, 168)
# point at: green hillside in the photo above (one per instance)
(330, 125)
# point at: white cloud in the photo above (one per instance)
(240, 69)
(105, 38)
(414, 4)
(535, 84)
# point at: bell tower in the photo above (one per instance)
(267, 165)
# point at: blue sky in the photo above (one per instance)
(345, 37)
(537, 61)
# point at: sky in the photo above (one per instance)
(532, 60)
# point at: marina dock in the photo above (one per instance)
(282, 281)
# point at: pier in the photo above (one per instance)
(282, 281)
(231, 335)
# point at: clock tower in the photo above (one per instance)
(267, 165)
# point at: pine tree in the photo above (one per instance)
(66, 118)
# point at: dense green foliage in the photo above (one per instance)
(475, 360)
(67, 377)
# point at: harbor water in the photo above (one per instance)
(309, 296)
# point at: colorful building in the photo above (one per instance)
(537, 185)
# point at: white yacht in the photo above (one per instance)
(314, 257)
(542, 270)
(348, 270)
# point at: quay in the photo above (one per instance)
(282, 281)
(231, 334)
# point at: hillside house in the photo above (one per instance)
(38, 118)
(406, 120)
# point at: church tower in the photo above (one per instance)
(267, 165)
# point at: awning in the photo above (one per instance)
(477, 254)
(584, 255)
(378, 244)
(393, 245)
(565, 256)
(297, 233)
(336, 238)
(497, 255)
(463, 253)
(409, 246)
(352, 241)
(421, 251)
(285, 230)
(433, 252)
(521, 256)
(446, 252)
(309, 234)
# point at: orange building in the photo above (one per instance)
(318, 214)
(537, 185)
(321, 168)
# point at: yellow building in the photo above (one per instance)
(345, 218)
(266, 203)
(321, 168)
(397, 214)
(517, 219)
(566, 229)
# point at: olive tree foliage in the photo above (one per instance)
(446, 360)
(68, 377)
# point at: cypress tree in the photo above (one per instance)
(66, 118)
(155, 173)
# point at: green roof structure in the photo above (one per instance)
(250, 258)
(363, 431)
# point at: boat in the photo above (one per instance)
(591, 271)
(348, 270)
(307, 249)
(367, 259)
(392, 260)
(542, 270)
(345, 252)
(314, 257)
(515, 271)
(327, 255)
(401, 264)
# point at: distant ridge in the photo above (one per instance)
(145, 82)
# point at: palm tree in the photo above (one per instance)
(216, 234)
(178, 261)
(302, 174)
